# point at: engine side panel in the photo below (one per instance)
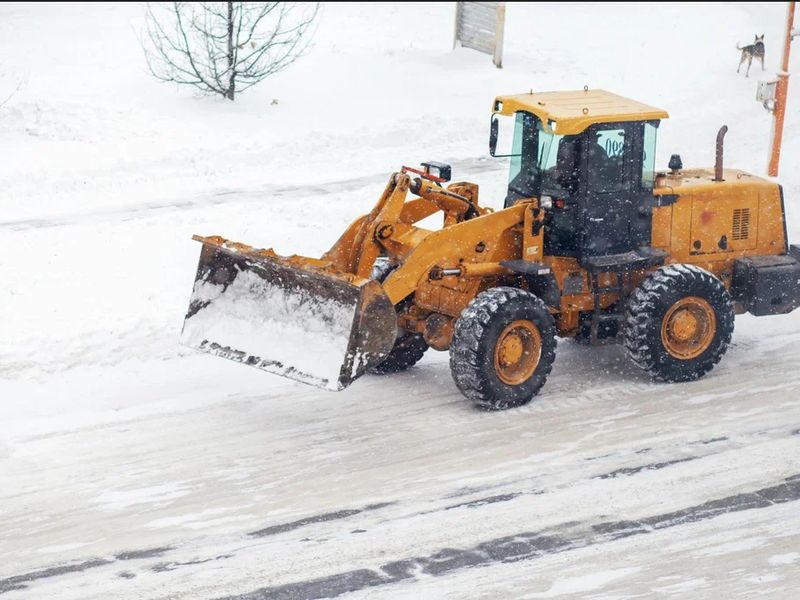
(715, 224)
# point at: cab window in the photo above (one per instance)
(606, 160)
(649, 155)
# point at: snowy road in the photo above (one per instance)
(396, 487)
(139, 469)
(132, 468)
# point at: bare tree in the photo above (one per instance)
(224, 47)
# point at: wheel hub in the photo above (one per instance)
(517, 353)
(511, 350)
(688, 328)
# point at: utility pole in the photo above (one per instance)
(781, 90)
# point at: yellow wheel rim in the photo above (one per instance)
(688, 328)
(517, 352)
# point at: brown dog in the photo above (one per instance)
(754, 50)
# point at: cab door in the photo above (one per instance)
(614, 203)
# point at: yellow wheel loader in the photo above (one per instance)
(592, 243)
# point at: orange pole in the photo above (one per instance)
(781, 90)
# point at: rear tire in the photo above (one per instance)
(503, 348)
(678, 323)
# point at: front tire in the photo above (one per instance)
(503, 348)
(409, 347)
(408, 351)
(678, 323)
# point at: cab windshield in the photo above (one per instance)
(542, 162)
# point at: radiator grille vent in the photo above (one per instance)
(741, 224)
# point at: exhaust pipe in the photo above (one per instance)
(720, 150)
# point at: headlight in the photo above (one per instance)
(546, 202)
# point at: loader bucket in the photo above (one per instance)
(287, 315)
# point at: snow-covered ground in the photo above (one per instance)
(134, 468)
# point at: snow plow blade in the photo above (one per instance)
(287, 315)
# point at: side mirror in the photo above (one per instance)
(493, 130)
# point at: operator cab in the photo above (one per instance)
(589, 157)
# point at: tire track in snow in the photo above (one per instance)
(448, 559)
(145, 210)
(522, 546)
(20, 582)
(323, 518)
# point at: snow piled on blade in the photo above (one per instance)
(287, 331)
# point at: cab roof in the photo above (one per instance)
(574, 111)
